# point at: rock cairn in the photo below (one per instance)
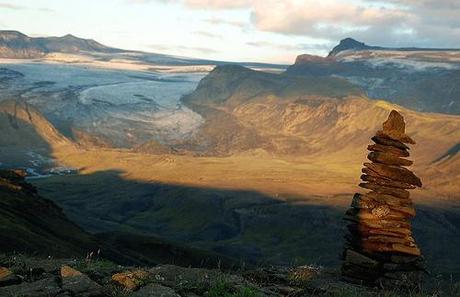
(379, 248)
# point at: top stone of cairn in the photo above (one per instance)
(395, 128)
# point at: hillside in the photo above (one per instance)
(417, 78)
(28, 138)
(298, 116)
(42, 226)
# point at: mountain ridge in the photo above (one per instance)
(14, 44)
(349, 43)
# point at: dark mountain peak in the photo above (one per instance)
(350, 44)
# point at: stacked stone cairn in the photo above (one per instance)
(379, 248)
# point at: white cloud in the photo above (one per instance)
(385, 22)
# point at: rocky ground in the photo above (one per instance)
(25, 276)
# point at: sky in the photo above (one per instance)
(274, 31)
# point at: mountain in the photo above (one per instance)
(14, 44)
(348, 44)
(422, 79)
(295, 115)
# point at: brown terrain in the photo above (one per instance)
(268, 175)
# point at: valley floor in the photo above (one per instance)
(254, 206)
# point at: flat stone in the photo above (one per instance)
(388, 149)
(408, 240)
(406, 259)
(366, 231)
(395, 173)
(390, 142)
(395, 136)
(410, 250)
(388, 159)
(82, 286)
(385, 190)
(67, 271)
(373, 200)
(356, 258)
(7, 277)
(388, 199)
(131, 280)
(386, 224)
(385, 182)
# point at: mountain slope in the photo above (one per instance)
(297, 116)
(14, 44)
(420, 79)
(28, 139)
(32, 224)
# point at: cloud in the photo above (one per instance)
(182, 49)
(383, 22)
(290, 47)
(221, 21)
(11, 6)
(19, 7)
(203, 4)
(208, 34)
(389, 22)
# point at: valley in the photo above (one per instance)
(258, 166)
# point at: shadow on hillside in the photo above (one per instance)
(241, 224)
(246, 225)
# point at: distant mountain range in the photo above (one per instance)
(418, 78)
(350, 44)
(14, 44)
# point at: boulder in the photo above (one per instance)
(131, 280)
(81, 285)
(67, 271)
(7, 277)
(42, 288)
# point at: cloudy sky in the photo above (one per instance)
(239, 30)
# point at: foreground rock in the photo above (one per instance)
(77, 284)
(131, 280)
(7, 277)
(380, 249)
(82, 278)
